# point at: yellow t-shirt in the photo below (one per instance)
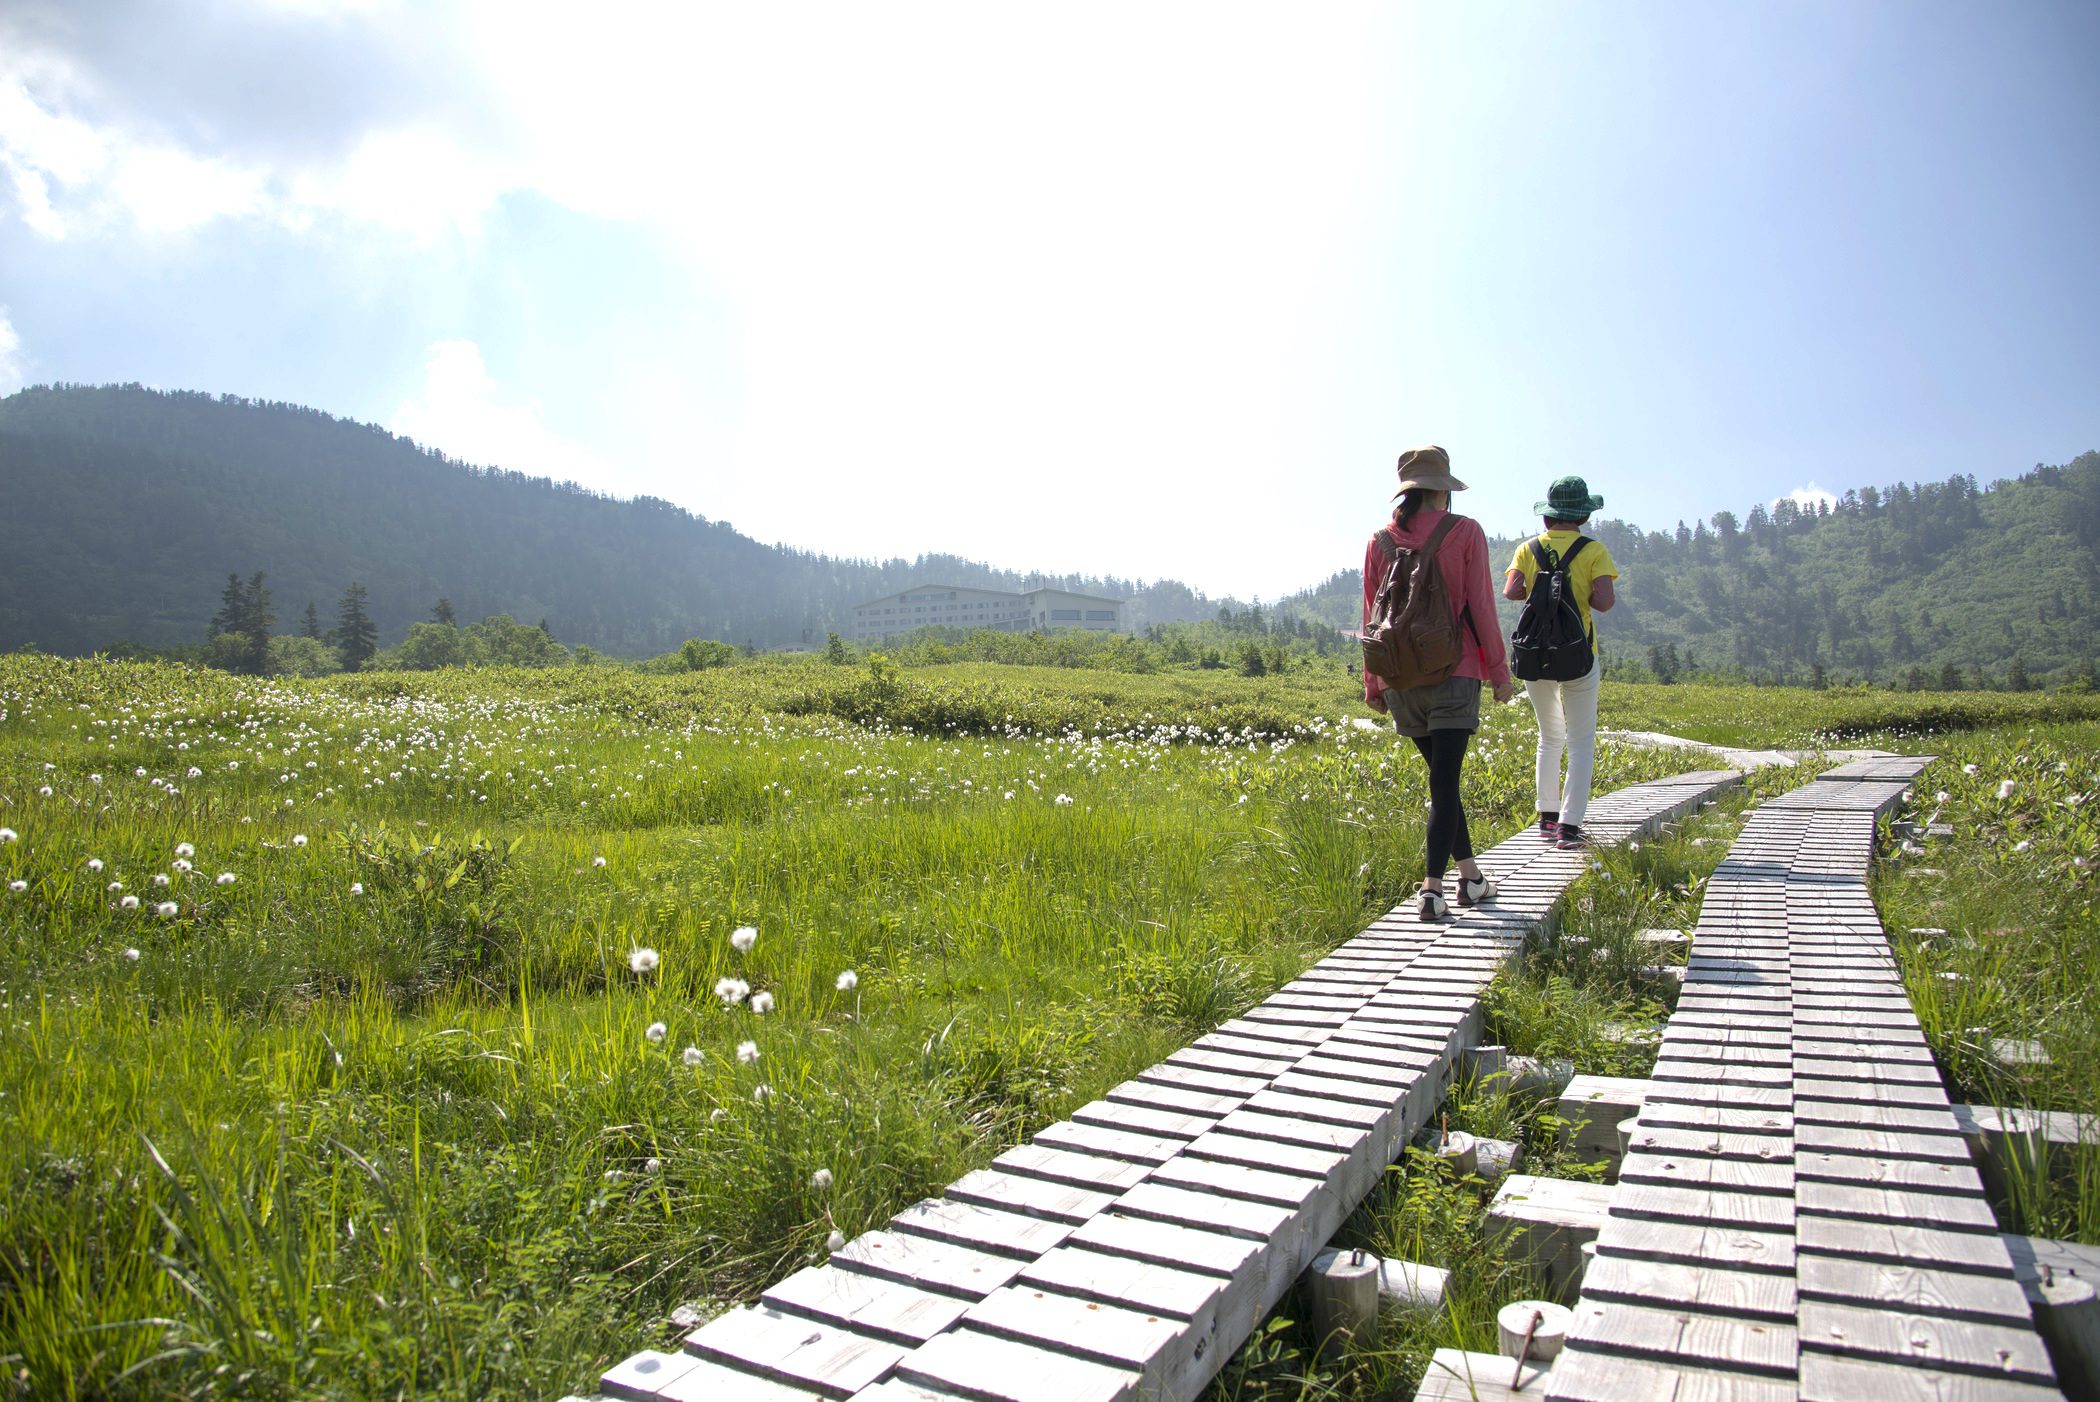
(1592, 564)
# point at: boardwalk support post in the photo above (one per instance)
(1344, 1290)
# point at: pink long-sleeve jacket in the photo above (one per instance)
(1463, 558)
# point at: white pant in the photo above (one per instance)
(1567, 713)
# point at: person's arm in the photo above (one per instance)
(1513, 586)
(1485, 625)
(1602, 595)
(1374, 574)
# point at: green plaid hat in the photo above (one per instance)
(1569, 499)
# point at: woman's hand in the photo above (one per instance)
(1504, 691)
(1376, 703)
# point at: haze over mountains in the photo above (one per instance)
(125, 508)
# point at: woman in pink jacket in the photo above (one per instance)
(1441, 719)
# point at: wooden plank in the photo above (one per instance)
(1582, 1376)
(1881, 1285)
(706, 1381)
(1882, 1143)
(1963, 1212)
(1456, 1376)
(1763, 1211)
(1921, 1174)
(1727, 1175)
(1136, 1119)
(1382, 1095)
(1184, 1077)
(1109, 1143)
(1031, 1197)
(822, 1357)
(1743, 1294)
(640, 1376)
(1078, 1170)
(1903, 1244)
(1127, 1283)
(1235, 1180)
(1914, 1094)
(940, 1266)
(1684, 1336)
(1692, 1244)
(1151, 1095)
(1160, 1349)
(1728, 1144)
(1258, 1221)
(967, 1224)
(884, 1309)
(1830, 1378)
(1364, 1119)
(1923, 1340)
(1164, 1244)
(1296, 1159)
(1005, 1370)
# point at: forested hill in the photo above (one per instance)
(1895, 582)
(125, 508)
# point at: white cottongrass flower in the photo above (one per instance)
(183, 849)
(1968, 769)
(45, 791)
(692, 1056)
(732, 990)
(139, 772)
(94, 864)
(195, 772)
(836, 1241)
(7, 834)
(747, 1052)
(848, 981)
(132, 955)
(2023, 847)
(18, 886)
(129, 903)
(160, 878)
(1062, 798)
(643, 961)
(298, 839)
(717, 1117)
(233, 764)
(116, 886)
(820, 1180)
(227, 878)
(357, 888)
(742, 938)
(2006, 788)
(597, 861)
(181, 865)
(1009, 794)
(653, 1166)
(1941, 796)
(761, 1095)
(165, 909)
(656, 1032)
(761, 1002)
(94, 778)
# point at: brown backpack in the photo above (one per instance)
(1409, 636)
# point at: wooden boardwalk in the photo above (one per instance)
(1128, 1252)
(1797, 1216)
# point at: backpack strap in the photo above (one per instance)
(1443, 528)
(1573, 551)
(1542, 553)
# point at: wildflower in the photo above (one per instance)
(45, 791)
(761, 1095)
(299, 839)
(7, 834)
(692, 1056)
(1940, 797)
(642, 961)
(132, 955)
(613, 1175)
(116, 885)
(165, 909)
(848, 981)
(357, 888)
(836, 1241)
(1968, 769)
(653, 1166)
(139, 772)
(731, 990)
(94, 778)
(742, 938)
(94, 864)
(129, 903)
(656, 1032)
(2006, 789)
(747, 1052)
(180, 865)
(761, 1002)
(233, 764)
(1062, 798)
(717, 1117)
(195, 772)
(227, 878)
(597, 861)
(820, 1180)
(18, 886)
(183, 849)
(2023, 847)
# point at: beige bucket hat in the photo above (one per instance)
(1428, 468)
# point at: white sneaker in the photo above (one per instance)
(1434, 908)
(1471, 892)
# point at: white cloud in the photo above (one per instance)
(1808, 497)
(10, 356)
(459, 415)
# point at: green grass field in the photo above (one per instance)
(390, 1035)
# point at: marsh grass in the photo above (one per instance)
(381, 1116)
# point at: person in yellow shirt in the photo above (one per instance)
(1567, 710)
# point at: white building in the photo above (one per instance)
(1007, 611)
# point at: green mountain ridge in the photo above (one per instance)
(125, 508)
(1920, 576)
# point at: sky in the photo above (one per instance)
(1152, 290)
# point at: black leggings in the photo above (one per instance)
(1446, 752)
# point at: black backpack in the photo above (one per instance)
(1550, 643)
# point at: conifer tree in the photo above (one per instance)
(260, 618)
(311, 627)
(232, 616)
(441, 612)
(356, 636)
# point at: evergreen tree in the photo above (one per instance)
(232, 616)
(245, 613)
(545, 629)
(311, 627)
(356, 636)
(2016, 676)
(835, 650)
(441, 612)
(261, 618)
(1950, 678)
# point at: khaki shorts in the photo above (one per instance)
(1452, 704)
